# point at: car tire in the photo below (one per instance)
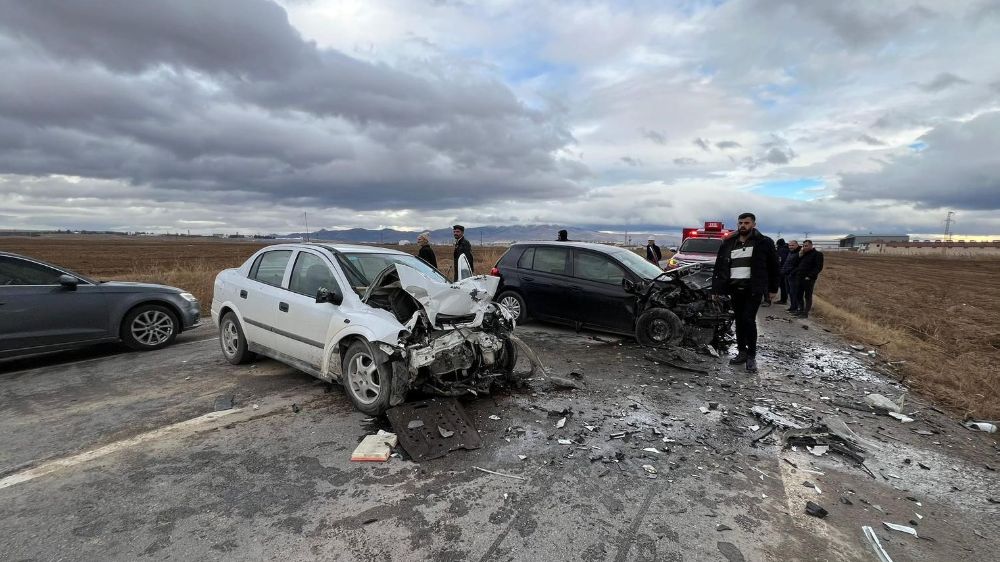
(507, 358)
(659, 327)
(148, 327)
(367, 382)
(233, 341)
(513, 302)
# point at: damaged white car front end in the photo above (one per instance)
(448, 338)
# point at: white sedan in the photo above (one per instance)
(380, 321)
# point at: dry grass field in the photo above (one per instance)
(940, 316)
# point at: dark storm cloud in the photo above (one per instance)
(943, 81)
(957, 168)
(226, 96)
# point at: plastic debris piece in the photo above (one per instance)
(901, 417)
(901, 528)
(704, 410)
(880, 402)
(414, 424)
(444, 432)
(754, 428)
(522, 457)
(561, 423)
(500, 474)
(720, 527)
(770, 417)
(880, 552)
(494, 417)
(982, 426)
(649, 468)
(816, 510)
(653, 450)
(375, 448)
(565, 442)
(818, 450)
(590, 427)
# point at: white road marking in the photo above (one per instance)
(87, 456)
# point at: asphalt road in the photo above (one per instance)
(108, 455)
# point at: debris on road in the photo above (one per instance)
(660, 360)
(816, 510)
(901, 528)
(882, 403)
(561, 423)
(495, 417)
(430, 439)
(375, 448)
(982, 426)
(770, 417)
(414, 424)
(649, 468)
(565, 442)
(561, 382)
(224, 402)
(901, 417)
(818, 450)
(295, 408)
(880, 552)
(500, 474)
(823, 435)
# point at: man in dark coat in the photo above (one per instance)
(783, 283)
(746, 268)
(426, 253)
(653, 253)
(563, 236)
(789, 272)
(810, 264)
(462, 247)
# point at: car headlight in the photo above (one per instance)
(672, 261)
(189, 297)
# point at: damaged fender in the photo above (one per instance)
(472, 295)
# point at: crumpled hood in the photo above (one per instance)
(472, 295)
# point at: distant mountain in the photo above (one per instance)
(485, 235)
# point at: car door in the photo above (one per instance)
(598, 297)
(37, 311)
(303, 326)
(547, 283)
(263, 292)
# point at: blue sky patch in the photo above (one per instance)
(802, 189)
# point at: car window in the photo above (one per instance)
(15, 271)
(595, 267)
(524, 262)
(637, 264)
(551, 260)
(701, 245)
(270, 268)
(364, 267)
(310, 274)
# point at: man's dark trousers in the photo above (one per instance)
(783, 289)
(745, 305)
(806, 294)
(794, 298)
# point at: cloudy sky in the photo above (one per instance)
(828, 117)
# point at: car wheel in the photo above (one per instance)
(659, 327)
(233, 341)
(515, 304)
(507, 358)
(148, 327)
(367, 382)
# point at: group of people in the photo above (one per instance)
(462, 248)
(751, 269)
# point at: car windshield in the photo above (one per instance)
(701, 246)
(637, 264)
(362, 268)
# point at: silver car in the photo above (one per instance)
(46, 308)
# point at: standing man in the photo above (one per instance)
(789, 272)
(810, 264)
(563, 236)
(462, 247)
(745, 269)
(426, 253)
(783, 252)
(653, 253)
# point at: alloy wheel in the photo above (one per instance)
(363, 378)
(152, 327)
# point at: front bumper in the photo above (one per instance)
(191, 315)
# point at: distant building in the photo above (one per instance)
(958, 249)
(856, 240)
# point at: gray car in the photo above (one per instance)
(45, 308)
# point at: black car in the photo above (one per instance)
(48, 308)
(610, 289)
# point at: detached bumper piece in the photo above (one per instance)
(433, 428)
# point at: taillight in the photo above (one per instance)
(495, 272)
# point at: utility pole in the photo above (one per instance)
(806, 236)
(305, 217)
(947, 225)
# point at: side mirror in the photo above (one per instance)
(68, 282)
(628, 285)
(326, 295)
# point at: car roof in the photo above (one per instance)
(338, 248)
(603, 248)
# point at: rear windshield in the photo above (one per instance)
(361, 268)
(701, 246)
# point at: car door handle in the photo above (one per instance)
(283, 306)
(243, 293)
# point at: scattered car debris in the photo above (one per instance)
(982, 426)
(649, 468)
(882, 403)
(722, 527)
(704, 410)
(561, 423)
(770, 417)
(823, 435)
(495, 417)
(565, 442)
(816, 510)
(901, 417)
(653, 450)
(901, 528)
(431, 440)
(818, 450)
(375, 448)
(561, 382)
(224, 402)
(880, 552)
(414, 424)
(500, 474)
(660, 360)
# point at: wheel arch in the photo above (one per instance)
(151, 301)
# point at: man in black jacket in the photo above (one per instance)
(789, 272)
(462, 247)
(783, 252)
(810, 264)
(653, 253)
(426, 253)
(745, 269)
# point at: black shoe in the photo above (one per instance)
(792, 311)
(751, 364)
(741, 357)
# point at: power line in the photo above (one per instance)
(947, 225)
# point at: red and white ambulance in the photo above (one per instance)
(699, 245)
